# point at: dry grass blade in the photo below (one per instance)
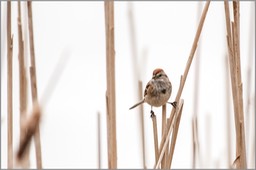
(155, 137)
(9, 87)
(179, 109)
(111, 100)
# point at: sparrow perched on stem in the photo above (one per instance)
(158, 91)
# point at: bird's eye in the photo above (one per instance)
(159, 75)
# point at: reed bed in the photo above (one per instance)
(163, 149)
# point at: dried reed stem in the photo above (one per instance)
(195, 141)
(179, 109)
(110, 58)
(233, 41)
(190, 59)
(9, 86)
(99, 140)
(193, 145)
(174, 137)
(23, 83)
(228, 114)
(195, 100)
(192, 52)
(142, 127)
(155, 137)
(34, 82)
(250, 113)
(163, 164)
(136, 76)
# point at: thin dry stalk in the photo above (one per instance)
(9, 87)
(170, 122)
(174, 137)
(235, 71)
(249, 113)
(29, 126)
(167, 150)
(136, 76)
(99, 140)
(155, 137)
(236, 9)
(196, 95)
(165, 145)
(208, 137)
(194, 146)
(228, 114)
(34, 82)
(192, 52)
(110, 58)
(142, 128)
(195, 141)
(23, 83)
(163, 164)
(190, 59)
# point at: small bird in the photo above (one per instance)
(158, 91)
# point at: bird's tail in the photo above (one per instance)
(137, 104)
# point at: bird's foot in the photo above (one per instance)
(152, 114)
(174, 104)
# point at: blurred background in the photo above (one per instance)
(148, 35)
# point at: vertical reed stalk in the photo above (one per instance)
(228, 115)
(142, 127)
(163, 164)
(9, 87)
(111, 100)
(34, 83)
(196, 95)
(155, 137)
(99, 140)
(233, 41)
(174, 137)
(136, 77)
(23, 83)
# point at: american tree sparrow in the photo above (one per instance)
(157, 91)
